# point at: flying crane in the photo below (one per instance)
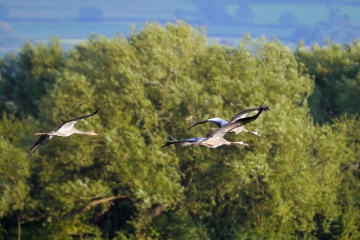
(64, 130)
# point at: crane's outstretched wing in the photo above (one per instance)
(218, 121)
(43, 139)
(221, 122)
(188, 142)
(240, 122)
(71, 123)
(243, 114)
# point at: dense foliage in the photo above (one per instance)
(336, 71)
(298, 180)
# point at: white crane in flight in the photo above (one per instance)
(66, 129)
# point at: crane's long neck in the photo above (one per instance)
(243, 129)
(239, 143)
(239, 130)
(66, 132)
(226, 142)
(215, 142)
(81, 132)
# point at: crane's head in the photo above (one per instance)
(243, 144)
(92, 133)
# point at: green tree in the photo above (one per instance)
(298, 180)
(348, 192)
(15, 202)
(336, 70)
(26, 77)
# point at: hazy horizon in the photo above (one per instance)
(227, 21)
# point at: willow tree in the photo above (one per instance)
(335, 69)
(16, 205)
(27, 75)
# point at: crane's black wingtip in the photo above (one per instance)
(265, 108)
(198, 123)
(96, 110)
(165, 145)
(169, 143)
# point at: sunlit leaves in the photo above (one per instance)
(335, 69)
(14, 171)
(297, 179)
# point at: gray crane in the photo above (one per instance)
(221, 122)
(64, 130)
(216, 138)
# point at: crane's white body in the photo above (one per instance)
(215, 142)
(66, 130)
(239, 130)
